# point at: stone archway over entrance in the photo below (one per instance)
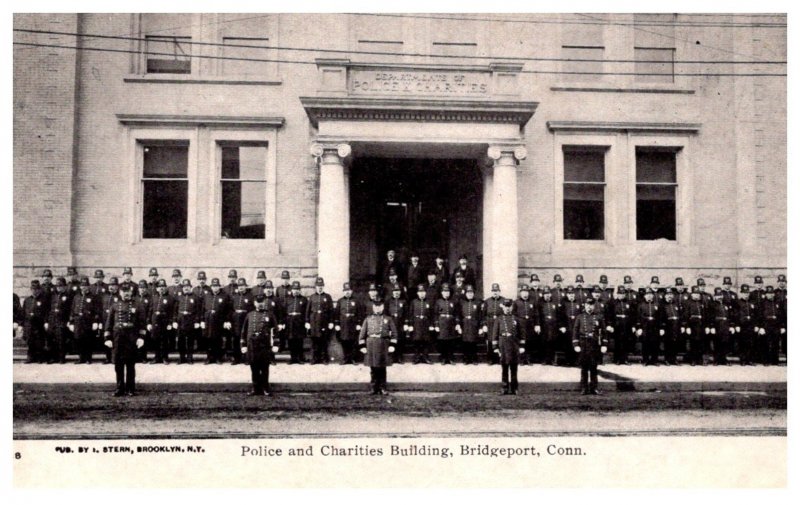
(466, 115)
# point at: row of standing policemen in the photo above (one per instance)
(751, 324)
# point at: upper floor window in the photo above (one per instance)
(167, 43)
(654, 48)
(248, 44)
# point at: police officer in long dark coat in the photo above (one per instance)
(550, 321)
(296, 305)
(376, 339)
(124, 332)
(469, 313)
(508, 343)
(160, 321)
(421, 321)
(590, 344)
(348, 313)
(695, 320)
(99, 288)
(397, 309)
(258, 345)
(771, 329)
(571, 308)
(107, 302)
(525, 312)
(34, 310)
(217, 307)
(650, 327)
(745, 314)
(721, 328)
(188, 314)
(319, 321)
(84, 319)
(444, 324)
(491, 310)
(674, 329)
(56, 325)
(242, 304)
(622, 321)
(781, 293)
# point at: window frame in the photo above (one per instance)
(565, 183)
(220, 145)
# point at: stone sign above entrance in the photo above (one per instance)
(419, 83)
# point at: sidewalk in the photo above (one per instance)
(425, 377)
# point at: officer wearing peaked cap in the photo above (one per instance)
(682, 296)
(377, 339)
(557, 290)
(217, 308)
(285, 288)
(162, 310)
(73, 282)
(397, 309)
(319, 321)
(524, 309)
(258, 345)
(536, 289)
(550, 317)
(242, 304)
(84, 319)
(34, 310)
(296, 307)
(421, 315)
(622, 321)
(107, 301)
(261, 281)
(649, 327)
(200, 291)
(188, 314)
(99, 288)
(47, 284)
(124, 331)
(492, 309)
(581, 293)
(469, 311)
(607, 292)
(56, 325)
(445, 323)
(745, 315)
(232, 285)
(348, 315)
(152, 283)
(589, 342)
(508, 343)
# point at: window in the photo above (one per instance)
(654, 64)
(583, 70)
(243, 189)
(167, 45)
(244, 60)
(584, 192)
(165, 189)
(656, 185)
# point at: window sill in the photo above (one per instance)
(197, 79)
(637, 88)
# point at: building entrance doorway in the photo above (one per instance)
(427, 206)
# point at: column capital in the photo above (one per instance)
(320, 150)
(511, 153)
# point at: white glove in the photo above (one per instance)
(603, 348)
(537, 329)
(274, 348)
(99, 326)
(485, 329)
(281, 327)
(108, 344)
(437, 329)
(562, 330)
(577, 348)
(661, 332)
(683, 330)
(358, 327)
(203, 324)
(480, 331)
(497, 350)
(308, 326)
(139, 343)
(733, 330)
(458, 328)
(71, 326)
(391, 348)
(638, 333)
(16, 326)
(226, 325)
(783, 330)
(713, 331)
(196, 326)
(430, 328)
(175, 325)
(688, 331)
(756, 329)
(244, 350)
(46, 325)
(95, 326)
(762, 331)
(633, 330)
(149, 327)
(610, 329)
(708, 331)
(330, 326)
(522, 350)
(738, 329)
(363, 350)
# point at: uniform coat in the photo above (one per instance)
(506, 336)
(257, 336)
(125, 324)
(378, 333)
(469, 313)
(296, 307)
(420, 316)
(319, 313)
(347, 315)
(444, 319)
(34, 311)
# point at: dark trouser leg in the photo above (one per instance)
(513, 382)
(620, 344)
(190, 337)
(398, 350)
(383, 377)
(504, 376)
(61, 345)
(593, 377)
(347, 351)
(373, 378)
(214, 340)
(584, 378)
(119, 370)
(296, 349)
(669, 347)
(130, 380)
(256, 372)
(317, 344)
(182, 345)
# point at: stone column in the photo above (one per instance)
(488, 225)
(504, 237)
(333, 216)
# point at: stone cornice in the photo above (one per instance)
(634, 127)
(187, 120)
(392, 109)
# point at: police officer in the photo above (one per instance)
(622, 313)
(376, 339)
(319, 321)
(415, 275)
(160, 322)
(217, 307)
(347, 316)
(590, 344)
(188, 314)
(56, 325)
(433, 287)
(296, 307)
(99, 288)
(745, 314)
(780, 298)
(47, 284)
(233, 283)
(73, 282)
(469, 313)
(285, 287)
(84, 319)
(492, 309)
(258, 345)
(557, 291)
(243, 304)
(372, 296)
(261, 283)
(607, 292)
(107, 303)
(275, 306)
(581, 293)
(771, 329)
(444, 324)
(200, 291)
(397, 309)
(674, 329)
(650, 327)
(570, 310)
(536, 289)
(422, 324)
(152, 283)
(143, 302)
(394, 280)
(525, 311)
(551, 323)
(465, 270)
(508, 343)
(177, 279)
(34, 310)
(124, 332)
(459, 288)
(682, 296)
(127, 280)
(440, 270)
(695, 318)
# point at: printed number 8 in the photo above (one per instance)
(17, 455)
